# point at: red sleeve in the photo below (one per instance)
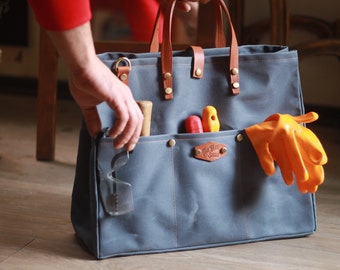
(142, 18)
(140, 14)
(58, 15)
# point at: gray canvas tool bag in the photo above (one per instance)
(163, 196)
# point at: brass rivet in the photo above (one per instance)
(167, 75)
(234, 71)
(172, 142)
(239, 137)
(198, 152)
(223, 150)
(198, 72)
(168, 90)
(123, 77)
(236, 85)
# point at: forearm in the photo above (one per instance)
(67, 22)
(75, 46)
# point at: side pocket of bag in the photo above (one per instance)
(272, 209)
(151, 226)
(82, 198)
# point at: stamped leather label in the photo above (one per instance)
(210, 151)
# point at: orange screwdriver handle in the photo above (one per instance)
(210, 120)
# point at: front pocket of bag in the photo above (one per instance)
(208, 194)
(182, 201)
(178, 198)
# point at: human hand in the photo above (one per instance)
(96, 83)
(92, 82)
(184, 4)
(294, 148)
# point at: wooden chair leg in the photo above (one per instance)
(46, 100)
(279, 21)
(236, 8)
(206, 25)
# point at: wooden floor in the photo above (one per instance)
(35, 228)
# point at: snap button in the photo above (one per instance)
(236, 85)
(223, 150)
(172, 142)
(234, 71)
(198, 72)
(168, 90)
(123, 77)
(239, 137)
(198, 152)
(167, 75)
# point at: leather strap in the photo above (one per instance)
(198, 59)
(233, 62)
(219, 41)
(123, 74)
(166, 49)
(122, 69)
(154, 42)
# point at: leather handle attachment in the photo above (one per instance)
(166, 48)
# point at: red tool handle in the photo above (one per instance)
(193, 124)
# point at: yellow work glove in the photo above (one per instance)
(295, 149)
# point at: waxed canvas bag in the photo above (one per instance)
(181, 191)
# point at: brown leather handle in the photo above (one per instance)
(166, 49)
(154, 43)
(220, 40)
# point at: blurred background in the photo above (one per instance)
(19, 42)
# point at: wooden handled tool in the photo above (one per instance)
(146, 108)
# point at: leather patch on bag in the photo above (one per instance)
(210, 151)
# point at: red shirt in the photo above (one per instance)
(58, 15)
